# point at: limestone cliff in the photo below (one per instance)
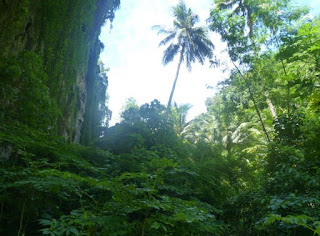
(48, 63)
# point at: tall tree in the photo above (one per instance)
(246, 25)
(186, 39)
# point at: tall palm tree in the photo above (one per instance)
(187, 40)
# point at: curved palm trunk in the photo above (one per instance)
(174, 83)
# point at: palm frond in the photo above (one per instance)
(226, 5)
(170, 53)
(194, 41)
(180, 12)
(177, 24)
(194, 19)
(167, 39)
(162, 29)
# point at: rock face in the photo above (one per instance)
(81, 105)
(5, 152)
(59, 39)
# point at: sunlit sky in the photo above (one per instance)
(135, 60)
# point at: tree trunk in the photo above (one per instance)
(258, 112)
(21, 217)
(271, 107)
(251, 33)
(284, 70)
(174, 83)
(254, 102)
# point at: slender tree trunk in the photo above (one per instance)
(254, 103)
(271, 107)
(174, 83)
(258, 112)
(255, 50)
(251, 33)
(21, 217)
(285, 72)
(144, 226)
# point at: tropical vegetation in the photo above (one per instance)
(250, 165)
(191, 42)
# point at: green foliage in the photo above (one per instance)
(64, 37)
(65, 189)
(301, 220)
(179, 113)
(152, 174)
(24, 94)
(146, 127)
(276, 58)
(185, 37)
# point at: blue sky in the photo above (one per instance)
(134, 58)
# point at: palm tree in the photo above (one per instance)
(191, 42)
(181, 112)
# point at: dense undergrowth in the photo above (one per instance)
(144, 180)
(58, 188)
